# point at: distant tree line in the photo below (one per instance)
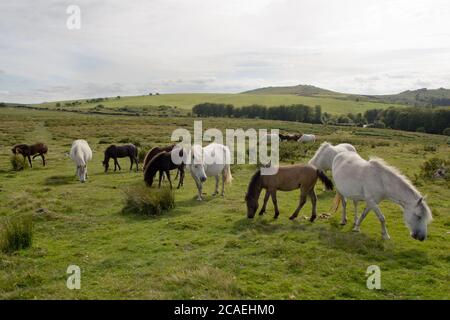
(430, 120)
(296, 112)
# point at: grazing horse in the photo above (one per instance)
(307, 138)
(162, 162)
(288, 178)
(373, 181)
(154, 151)
(113, 151)
(81, 153)
(290, 137)
(210, 161)
(38, 149)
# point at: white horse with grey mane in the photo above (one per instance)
(307, 138)
(210, 161)
(81, 153)
(373, 181)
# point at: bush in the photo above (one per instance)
(446, 132)
(18, 162)
(16, 233)
(430, 148)
(429, 167)
(143, 201)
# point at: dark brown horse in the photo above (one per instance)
(162, 162)
(154, 151)
(114, 152)
(38, 149)
(289, 137)
(288, 178)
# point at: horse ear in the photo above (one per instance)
(419, 202)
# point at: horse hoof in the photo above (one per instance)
(343, 223)
(386, 237)
(312, 219)
(261, 213)
(355, 229)
(292, 218)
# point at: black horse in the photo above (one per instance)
(127, 150)
(162, 162)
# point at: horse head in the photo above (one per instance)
(417, 216)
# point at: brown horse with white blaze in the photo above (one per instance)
(38, 149)
(288, 178)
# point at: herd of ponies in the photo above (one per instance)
(355, 178)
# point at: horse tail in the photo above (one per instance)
(228, 177)
(336, 203)
(325, 180)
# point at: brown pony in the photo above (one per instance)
(289, 137)
(288, 178)
(162, 162)
(114, 152)
(154, 151)
(38, 149)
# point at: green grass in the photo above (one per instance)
(185, 102)
(207, 249)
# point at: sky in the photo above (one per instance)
(175, 46)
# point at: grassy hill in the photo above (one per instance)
(183, 103)
(208, 250)
(420, 98)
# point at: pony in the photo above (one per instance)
(210, 161)
(81, 153)
(307, 138)
(288, 178)
(323, 160)
(154, 151)
(373, 181)
(38, 149)
(289, 137)
(162, 162)
(113, 151)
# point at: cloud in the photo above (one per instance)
(135, 47)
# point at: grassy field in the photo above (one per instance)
(185, 102)
(208, 249)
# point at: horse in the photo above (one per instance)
(113, 151)
(288, 178)
(323, 160)
(38, 149)
(81, 153)
(373, 181)
(307, 138)
(210, 161)
(154, 151)
(289, 137)
(162, 162)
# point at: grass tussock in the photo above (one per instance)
(143, 201)
(18, 162)
(16, 233)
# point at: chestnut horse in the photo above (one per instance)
(288, 178)
(38, 149)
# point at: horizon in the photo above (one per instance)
(128, 49)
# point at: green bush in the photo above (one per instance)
(429, 167)
(143, 201)
(18, 162)
(16, 233)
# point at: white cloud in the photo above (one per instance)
(133, 47)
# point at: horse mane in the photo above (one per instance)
(380, 163)
(319, 150)
(252, 187)
(150, 170)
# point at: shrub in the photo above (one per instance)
(143, 201)
(429, 148)
(18, 162)
(429, 167)
(446, 132)
(16, 233)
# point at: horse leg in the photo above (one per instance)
(216, 190)
(199, 188)
(263, 208)
(313, 196)
(160, 178)
(344, 210)
(137, 164)
(180, 182)
(115, 165)
(223, 183)
(115, 159)
(29, 160)
(273, 194)
(131, 163)
(301, 203)
(361, 218)
(380, 216)
(43, 160)
(168, 177)
(178, 172)
(355, 203)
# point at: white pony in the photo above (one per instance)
(210, 161)
(81, 153)
(307, 138)
(373, 181)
